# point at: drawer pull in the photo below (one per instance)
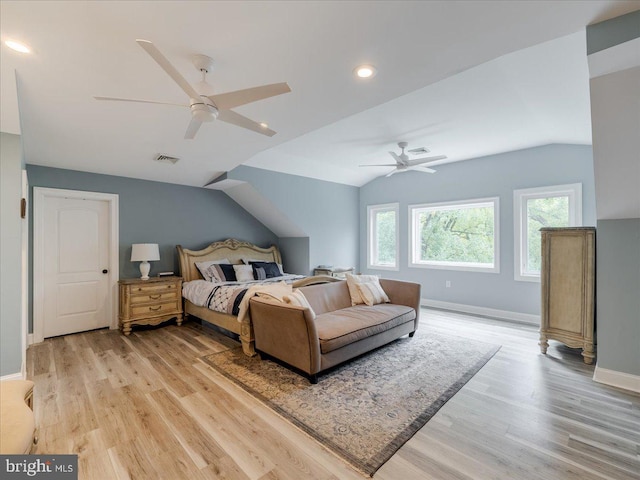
(154, 297)
(155, 309)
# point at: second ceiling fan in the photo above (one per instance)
(404, 163)
(206, 108)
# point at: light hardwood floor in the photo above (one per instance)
(144, 407)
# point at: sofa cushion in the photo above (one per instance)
(342, 327)
(327, 297)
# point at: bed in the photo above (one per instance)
(235, 251)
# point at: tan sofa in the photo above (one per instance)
(339, 331)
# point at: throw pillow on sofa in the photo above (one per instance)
(352, 283)
(372, 293)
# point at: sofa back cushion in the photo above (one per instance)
(327, 297)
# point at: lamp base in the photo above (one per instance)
(145, 267)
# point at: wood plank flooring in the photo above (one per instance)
(144, 407)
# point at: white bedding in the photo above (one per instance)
(233, 297)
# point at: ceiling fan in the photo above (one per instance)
(404, 163)
(206, 108)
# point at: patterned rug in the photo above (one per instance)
(366, 410)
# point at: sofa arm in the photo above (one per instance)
(286, 332)
(403, 293)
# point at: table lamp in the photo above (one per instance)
(145, 253)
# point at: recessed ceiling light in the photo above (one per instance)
(264, 125)
(365, 71)
(17, 46)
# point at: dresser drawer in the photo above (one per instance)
(154, 289)
(151, 310)
(156, 297)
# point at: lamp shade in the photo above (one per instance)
(145, 252)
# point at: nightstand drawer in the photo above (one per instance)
(154, 289)
(156, 297)
(151, 310)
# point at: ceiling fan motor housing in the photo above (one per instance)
(203, 111)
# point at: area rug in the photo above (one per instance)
(365, 410)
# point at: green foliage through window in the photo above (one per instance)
(455, 234)
(543, 212)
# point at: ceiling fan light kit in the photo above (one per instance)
(404, 164)
(206, 106)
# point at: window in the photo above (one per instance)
(534, 208)
(455, 235)
(383, 236)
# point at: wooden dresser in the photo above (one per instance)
(149, 302)
(568, 288)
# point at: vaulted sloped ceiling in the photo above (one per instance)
(426, 91)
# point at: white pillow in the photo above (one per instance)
(297, 298)
(244, 273)
(203, 266)
(372, 293)
(353, 280)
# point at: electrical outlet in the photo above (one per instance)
(447, 284)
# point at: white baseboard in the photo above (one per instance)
(485, 312)
(12, 376)
(617, 379)
(30, 339)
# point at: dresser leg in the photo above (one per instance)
(179, 320)
(544, 344)
(587, 353)
(126, 328)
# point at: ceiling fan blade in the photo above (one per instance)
(229, 100)
(392, 172)
(420, 168)
(138, 101)
(397, 158)
(151, 49)
(380, 165)
(192, 129)
(420, 161)
(234, 118)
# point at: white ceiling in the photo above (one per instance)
(465, 79)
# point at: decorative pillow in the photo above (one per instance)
(223, 272)
(204, 266)
(298, 298)
(244, 273)
(372, 293)
(270, 268)
(353, 280)
(259, 273)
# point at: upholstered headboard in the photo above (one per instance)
(232, 249)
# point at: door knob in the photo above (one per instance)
(105, 271)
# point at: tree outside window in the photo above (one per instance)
(383, 236)
(458, 235)
(535, 208)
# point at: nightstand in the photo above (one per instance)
(149, 302)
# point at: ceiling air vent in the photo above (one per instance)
(419, 151)
(166, 158)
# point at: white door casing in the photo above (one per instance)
(75, 239)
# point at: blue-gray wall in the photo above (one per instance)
(162, 213)
(618, 300)
(326, 211)
(496, 175)
(11, 163)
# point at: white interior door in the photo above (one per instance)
(76, 249)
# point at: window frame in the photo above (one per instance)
(520, 198)
(458, 266)
(372, 244)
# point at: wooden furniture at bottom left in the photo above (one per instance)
(149, 302)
